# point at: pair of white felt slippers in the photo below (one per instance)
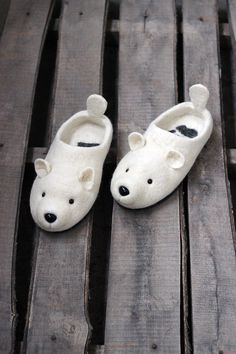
(68, 179)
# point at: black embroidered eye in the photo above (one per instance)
(71, 201)
(43, 194)
(127, 170)
(149, 181)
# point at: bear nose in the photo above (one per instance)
(50, 217)
(123, 191)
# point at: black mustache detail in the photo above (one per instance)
(190, 133)
(80, 143)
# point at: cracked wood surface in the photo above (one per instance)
(57, 318)
(143, 305)
(20, 51)
(211, 227)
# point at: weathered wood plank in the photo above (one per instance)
(58, 320)
(211, 230)
(20, 50)
(143, 307)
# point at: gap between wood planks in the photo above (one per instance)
(185, 283)
(27, 233)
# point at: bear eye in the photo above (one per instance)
(149, 181)
(127, 170)
(43, 194)
(71, 201)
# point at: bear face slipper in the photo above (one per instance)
(160, 159)
(69, 178)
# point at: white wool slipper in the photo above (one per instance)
(69, 178)
(161, 158)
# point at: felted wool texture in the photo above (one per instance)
(159, 159)
(68, 179)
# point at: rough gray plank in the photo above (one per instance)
(57, 319)
(211, 229)
(143, 306)
(20, 50)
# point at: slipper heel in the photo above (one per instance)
(96, 105)
(199, 96)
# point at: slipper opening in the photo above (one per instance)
(186, 124)
(84, 133)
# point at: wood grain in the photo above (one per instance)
(57, 319)
(211, 228)
(143, 306)
(20, 51)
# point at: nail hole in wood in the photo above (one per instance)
(27, 13)
(204, 187)
(1, 144)
(72, 329)
(81, 13)
(53, 338)
(201, 19)
(145, 16)
(154, 346)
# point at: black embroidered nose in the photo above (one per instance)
(123, 191)
(50, 217)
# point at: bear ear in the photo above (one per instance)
(96, 105)
(86, 177)
(175, 159)
(136, 141)
(42, 167)
(199, 96)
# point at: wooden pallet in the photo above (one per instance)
(158, 280)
